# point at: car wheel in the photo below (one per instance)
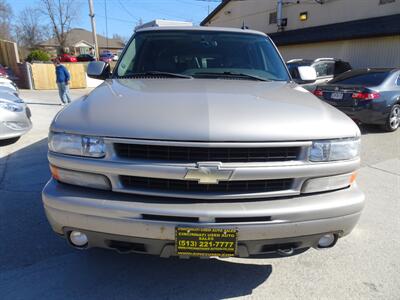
(393, 120)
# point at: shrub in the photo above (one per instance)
(38, 55)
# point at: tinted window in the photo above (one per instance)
(191, 52)
(365, 79)
(341, 67)
(294, 72)
(324, 68)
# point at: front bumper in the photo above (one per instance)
(109, 217)
(21, 120)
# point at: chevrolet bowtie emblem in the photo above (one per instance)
(208, 173)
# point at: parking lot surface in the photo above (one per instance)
(37, 264)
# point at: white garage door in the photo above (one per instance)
(361, 53)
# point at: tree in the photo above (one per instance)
(5, 20)
(60, 14)
(38, 55)
(29, 31)
(120, 38)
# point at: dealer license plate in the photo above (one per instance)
(206, 241)
(337, 96)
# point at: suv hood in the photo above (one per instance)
(203, 110)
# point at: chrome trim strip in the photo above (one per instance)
(209, 144)
(177, 171)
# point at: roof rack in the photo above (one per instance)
(325, 58)
(295, 60)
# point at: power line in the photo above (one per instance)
(126, 10)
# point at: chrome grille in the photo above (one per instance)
(196, 154)
(172, 185)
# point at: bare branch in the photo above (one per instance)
(60, 13)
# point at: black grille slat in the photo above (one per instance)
(173, 185)
(195, 154)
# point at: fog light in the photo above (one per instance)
(78, 239)
(95, 181)
(328, 240)
(329, 183)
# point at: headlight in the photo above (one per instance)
(335, 150)
(74, 144)
(11, 106)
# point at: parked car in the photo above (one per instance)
(106, 57)
(199, 144)
(67, 58)
(6, 83)
(14, 116)
(85, 57)
(369, 96)
(326, 69)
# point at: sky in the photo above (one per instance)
(123, 15)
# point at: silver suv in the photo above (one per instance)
(200, 144)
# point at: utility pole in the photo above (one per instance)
(91, 15)
(105, 13)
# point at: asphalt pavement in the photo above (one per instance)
(37, 264)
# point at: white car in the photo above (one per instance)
(325, 68)
(14, 116)
(115, 57)
(9, 85)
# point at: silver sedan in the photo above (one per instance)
(14, 116)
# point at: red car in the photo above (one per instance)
(67, 58)
(3, 71)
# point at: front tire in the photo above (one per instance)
(393, 119)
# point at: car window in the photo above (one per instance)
(294, 72)
(324, 68)
(365, 79)
(190, 52)
(398, 81)
(341, 67)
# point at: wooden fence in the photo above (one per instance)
(44, 76)
(9, 54)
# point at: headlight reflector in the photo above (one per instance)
(11, 106)
(74, 144)
(335, 150)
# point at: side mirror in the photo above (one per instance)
(98, 70)
(307, 74)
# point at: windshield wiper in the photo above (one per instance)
(230, 74)
(155, 73)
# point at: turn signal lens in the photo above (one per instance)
(54, 172)
(353, 178)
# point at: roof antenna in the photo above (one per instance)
(244, 26)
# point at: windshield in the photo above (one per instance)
(202, 54)
(365, 79)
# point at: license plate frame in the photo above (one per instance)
(337, 96)
(206, 242)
